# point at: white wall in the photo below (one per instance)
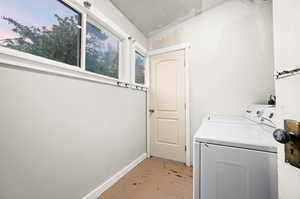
(108, 9)
(231, 60)
(62, 137)
(286, 46)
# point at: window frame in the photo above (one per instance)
(136, 47)
(35, 58)
(100, 20)
(82, 27)
(27, 61)
(103, 29)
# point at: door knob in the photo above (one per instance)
(151, 110)
(283, 136)
(290, 137)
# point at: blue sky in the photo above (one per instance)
(31, 13)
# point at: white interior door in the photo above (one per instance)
(287, 55)
(168, 106)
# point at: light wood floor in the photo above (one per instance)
(154, 179)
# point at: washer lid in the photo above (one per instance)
(253, 137)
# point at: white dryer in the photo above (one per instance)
(236, 158)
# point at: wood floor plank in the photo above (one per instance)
(153, 179)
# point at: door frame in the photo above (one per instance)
(186, 47)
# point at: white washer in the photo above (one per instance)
(252, 115)
(236, 159)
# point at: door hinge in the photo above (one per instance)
(184, 105)
(185, 148)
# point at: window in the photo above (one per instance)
(102, 52)
(65, 32)
(139, 68)
(50, 29)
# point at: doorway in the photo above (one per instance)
(168, 108)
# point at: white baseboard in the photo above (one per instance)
(115, 178)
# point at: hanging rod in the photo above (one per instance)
(287, 73)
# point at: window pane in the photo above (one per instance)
(102, 52)
(48, 29)
(139, 68)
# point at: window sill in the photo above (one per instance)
(39, 64)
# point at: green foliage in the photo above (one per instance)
(139, 69)
(99, 58)
(62, 43)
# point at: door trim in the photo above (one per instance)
(186, 48)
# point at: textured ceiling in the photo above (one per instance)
(151, 15)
